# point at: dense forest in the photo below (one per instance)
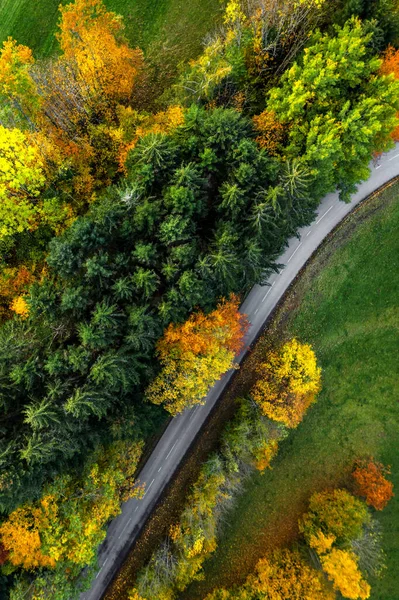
(129, 234)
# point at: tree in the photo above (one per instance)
(21, 179)
(341, 568)
(270, 131)
(288, 382)
(283, 575)
(371, 483)
(336, 107)
(336, 514)
(90, 37)
(68, 523)
(196, 354)
(381, 16)
(16, 84)
(258, 40)
(390, 66)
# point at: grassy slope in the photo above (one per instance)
(347, 306)
(169, 31)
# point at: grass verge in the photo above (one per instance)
(346, 304)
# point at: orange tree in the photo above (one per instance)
(196, 354)
(91, 38)
(390, 65)
(371, 483)
(288, 382)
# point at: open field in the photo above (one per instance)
(169, 31)
(347, 305)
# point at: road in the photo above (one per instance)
(182, 430)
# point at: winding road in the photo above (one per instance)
(181, 431)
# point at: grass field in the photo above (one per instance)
(169, 31)
(347, 305)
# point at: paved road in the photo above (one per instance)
(181, 431)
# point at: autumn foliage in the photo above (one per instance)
(334, 520)
(281, 575)
(21, 179)
(196, 354)
(288, 382)
(371, 483)
(16, 82)
(136, 125)
(90, 37)
(284, 574)
(390, 65)
(335, 513)
(67, 523)
(66, 111)
(270, 131)
(342, 569)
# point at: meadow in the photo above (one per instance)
(346, 304)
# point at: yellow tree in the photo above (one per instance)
(196, 354)
(284, 574)
(280, 575)
(21, 179)
(342, 569)
(16, 83)
(288, 382)
(270, 131)
(20, 537)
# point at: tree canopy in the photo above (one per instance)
(336, 108)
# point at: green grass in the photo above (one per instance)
(169, 31)
(346, 305)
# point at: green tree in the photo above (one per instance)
(337, 109)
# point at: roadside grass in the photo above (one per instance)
(346, 304)
(168, 31)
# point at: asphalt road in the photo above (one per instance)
(182, 430)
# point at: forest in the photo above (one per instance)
(135, 214)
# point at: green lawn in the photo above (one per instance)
(347, 306)
(169, 31)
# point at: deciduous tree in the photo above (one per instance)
(21, 179)
(285, 575)
(390, 66)
(341, 568)
(336, 513)
(371, 483)
(196, 354)
(68, 523)
(281, 575)
(288, 382)
(90, 37)
(337, 109)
